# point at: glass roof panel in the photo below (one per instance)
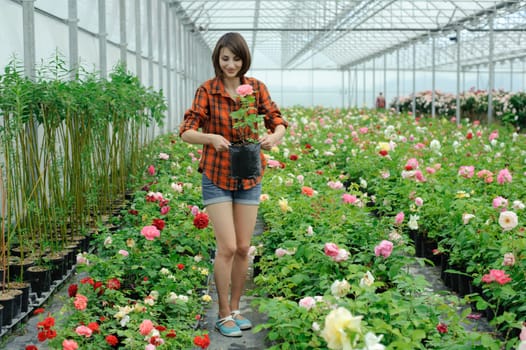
(339, 34)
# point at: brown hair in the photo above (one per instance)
(235, 43)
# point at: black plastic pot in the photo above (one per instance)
(40, 278)
(245, 160)
(7, 301)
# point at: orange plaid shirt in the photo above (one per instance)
(210, 112)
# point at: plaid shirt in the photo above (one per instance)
(210, 112)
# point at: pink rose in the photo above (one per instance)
(83, 331)
(273, 163)
(342, 255)
(331, 249)
(244, 90)
(522, 336)
(150, 232)
(419, 176)
(493, 135)
(385, 248)
(504, 176)
(165, 210)
(69, 345)
(399, 218)
(500, 202)
(80, 302)
(145, 327)
(419, 201)
(307, 302)
(280, 252)
(411, 164)
(466, 171)
(349, 198)
(430, 170)
(123, 252)
(498, 276)
(151, 170)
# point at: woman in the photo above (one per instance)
(231, 203)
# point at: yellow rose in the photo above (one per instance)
(338, 323)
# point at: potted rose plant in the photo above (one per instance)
(245, 160)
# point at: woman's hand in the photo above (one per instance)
(220, 143)
(270, 140)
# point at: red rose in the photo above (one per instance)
(40, 310)
(203, 342)
(47, 323)
(180, 266)
(201, 220)
(159, 223)
(112, 340)
(51, 334)
(87, 280)
(293, 157)
(31, 347)
(113, 283)
(383, 152)
(442, 328)
(133, 212)
(72, 290)
(42, 336)
(171, 334)
(469, 136)
(94, 326)
(308, 146)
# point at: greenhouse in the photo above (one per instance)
(263, 174)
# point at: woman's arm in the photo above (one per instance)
(198, 137)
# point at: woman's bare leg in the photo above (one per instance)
(244, 223)
(222, 218)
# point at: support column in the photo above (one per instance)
(28, 17)
(414, 80)
(491, 68)
(433, 77)
(374, 83)
(149, 29)
(458, 77)
(123, 39)
(138, 40)
(168, 124)
(398, 80)
(385, 81)
(103, 45)
(364, 103)
(160, 42)
(73, 39)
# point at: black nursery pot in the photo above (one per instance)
(7, 301)
(245, 160)
(40, 277)
(25, 288)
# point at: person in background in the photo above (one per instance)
(232, 204)
(380, 101)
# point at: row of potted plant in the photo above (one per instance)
(508, 107)
(67, 147)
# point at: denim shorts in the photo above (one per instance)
(213, 194)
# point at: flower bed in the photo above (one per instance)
(145, 284)
(342, 197)
(346, 193)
